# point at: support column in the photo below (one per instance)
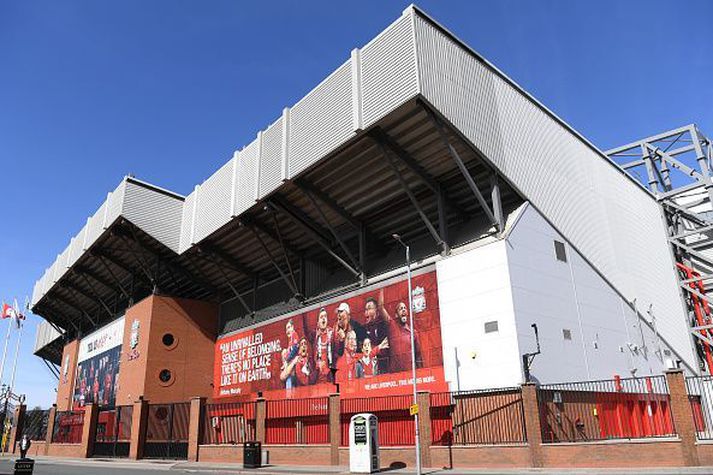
(533, 427)
(89, 429)
(423, 399)
(682, 416)
(50, 427)
(335, 429)
(195, 427)
(260, 413)
(139, 419)
(18, 427)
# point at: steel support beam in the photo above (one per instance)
(334, 233)
(259, 239)
(414, 202)
(463, 169)
(303, 222)
(414, 167)
(229, 283)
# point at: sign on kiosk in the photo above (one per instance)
(364, 444)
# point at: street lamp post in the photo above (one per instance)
(413, 349)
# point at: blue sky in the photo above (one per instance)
(166, 90)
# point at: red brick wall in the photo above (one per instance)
(642, 453)
(66, 450)
(132, 372)
(65, 386)
(190, 358)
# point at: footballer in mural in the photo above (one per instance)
(98, 366)
(362, 343)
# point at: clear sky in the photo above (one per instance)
(166, 90)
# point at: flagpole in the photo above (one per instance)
(4, 351)
(17, 350)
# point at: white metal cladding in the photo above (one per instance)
(214, 207)
(321, 120)
(271, 159)
(36, 292)
(157, 214)
(45, 334)
(246, 177)
(96, 225)
(115, 202)
(388, 70)
(613, 222)
(186, 222)
(76, 246)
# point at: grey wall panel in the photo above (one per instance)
(115, 203)
(271, 159)
(612, 222)
(246, 177)
(36, 292)
(388, 70)
(76, 247)
(95, 226)
(186, 222)
(214, 206)
(321, 120)
(44, 335)
(157, 214)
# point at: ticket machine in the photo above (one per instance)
(364, 443)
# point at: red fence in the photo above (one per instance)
(228, 423)
(68, 427)
(477, 417)
(395, 424)
(609, 409)
(297, 421)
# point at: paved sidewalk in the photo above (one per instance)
(132, 466)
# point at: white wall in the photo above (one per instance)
(607, 338)
(474, 288)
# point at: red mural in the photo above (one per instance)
(362, 344)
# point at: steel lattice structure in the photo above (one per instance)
(675, 166)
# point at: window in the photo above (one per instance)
(165, 375)
(560, 251)
(491, 327)
(168, 339)
(566, 334)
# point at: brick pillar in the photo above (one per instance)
(18, 427)
(335, 429)
(139, 419)
(682, 416)
(89, 429)
(533, 429)
(50, 427)
(260, 413)
(423, 399)
(195, 427)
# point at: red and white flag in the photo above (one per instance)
(17, 315)
(8, 311)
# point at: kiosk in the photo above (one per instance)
(364, 443)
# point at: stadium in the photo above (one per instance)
(278, 288)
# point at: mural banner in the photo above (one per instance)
(361, 343)
(98, 365)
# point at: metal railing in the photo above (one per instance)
(297, 421)
(483, 417)
(35, 424)
(228, 423)
(68, 427)
(609, 409)
(395, 423)
(700, 395)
